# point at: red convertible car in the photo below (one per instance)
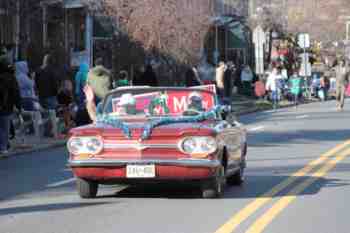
(147, 134)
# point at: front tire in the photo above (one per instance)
(237, 178)
(215, 187)
(86, 188)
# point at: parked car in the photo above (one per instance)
(147, 134)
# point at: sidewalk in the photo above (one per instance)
(29, 144)
(244, 105)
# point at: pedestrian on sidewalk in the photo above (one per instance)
(219, 80)
(137, 78)
(247, 79)
(191, 78)
(295, 87)
(47, 84)
(228, 81)
(342, 75)
(80, 82)
(66, 99)
(30, 101)
(9, 98)
(273, 86)
(100, 80)
(81, 116)
(325, 85)
(259, 89)
(123, 79)
(148, 78)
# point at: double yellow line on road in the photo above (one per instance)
(232, 224)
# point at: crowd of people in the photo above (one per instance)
(44, 89)
(294, 87)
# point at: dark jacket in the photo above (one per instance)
(47, 82)
(228, 83)
(148, 78)
(10, 94)
(190, 79)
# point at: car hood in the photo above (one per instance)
(137, 128)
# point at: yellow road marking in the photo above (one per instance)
(248, 210)
(260, 224)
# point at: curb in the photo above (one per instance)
(38, 149)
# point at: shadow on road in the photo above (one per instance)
(254, 187)
(46, 207)
(257, 186)
(270, 139)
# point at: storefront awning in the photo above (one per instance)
(70, 4)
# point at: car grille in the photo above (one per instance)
(136, 145)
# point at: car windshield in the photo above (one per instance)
(159, 102)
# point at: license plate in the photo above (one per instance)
(140, 171)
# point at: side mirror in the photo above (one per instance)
(228, 114)
(226, 109)
(99, 109)
(231, 118)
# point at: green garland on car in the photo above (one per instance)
(147, 130)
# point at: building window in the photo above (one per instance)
(76, 30)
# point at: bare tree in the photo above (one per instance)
(173, 27)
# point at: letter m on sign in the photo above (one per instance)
(180, 105)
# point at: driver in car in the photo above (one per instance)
(126, 105)
(195, 104)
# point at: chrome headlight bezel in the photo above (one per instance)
(202, 145)
(91, 145)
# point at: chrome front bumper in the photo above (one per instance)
(120, 163)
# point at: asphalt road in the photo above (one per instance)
(292, 185)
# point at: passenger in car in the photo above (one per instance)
(195, 104)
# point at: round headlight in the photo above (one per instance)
(94, 145)
(208, 144)
(189, 145)
(74, 145)
(85, 145)
(202, 146)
